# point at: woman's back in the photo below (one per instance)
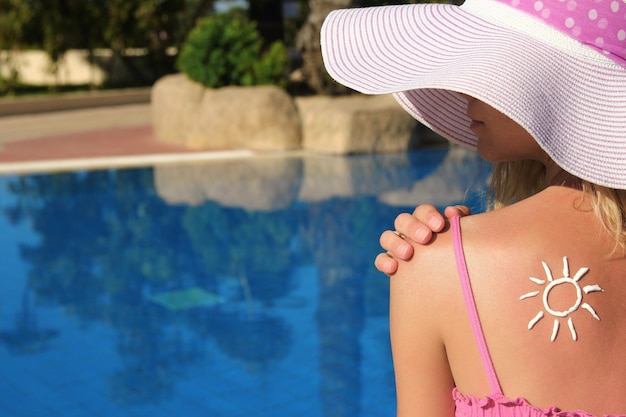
(553, 341)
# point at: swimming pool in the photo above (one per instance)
(233, 288)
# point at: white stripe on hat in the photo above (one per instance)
(571, 98)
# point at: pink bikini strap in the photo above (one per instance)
(466, 286)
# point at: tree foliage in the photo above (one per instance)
(14, 16)
(226, 49)
(153, 25)
(59, 25)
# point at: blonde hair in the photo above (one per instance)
(609, 204)
(516, 180)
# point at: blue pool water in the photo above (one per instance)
(232, 288)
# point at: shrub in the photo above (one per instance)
(226, 49)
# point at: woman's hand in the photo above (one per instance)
(418, 228)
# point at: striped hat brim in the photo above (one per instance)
(569, 97)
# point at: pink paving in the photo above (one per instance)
(118, 141)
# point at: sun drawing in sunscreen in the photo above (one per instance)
(576, 304)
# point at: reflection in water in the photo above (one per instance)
(257, 184)
(226, 289)
(27, 337)
(340, 315)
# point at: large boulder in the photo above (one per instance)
(263, 118)
(358, 124)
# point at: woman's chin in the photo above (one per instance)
(486, 154)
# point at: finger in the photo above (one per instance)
(430, 217)
(452, 211)
(413, 229)
(386, 264)
(395, 245)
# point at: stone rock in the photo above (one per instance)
(259, 183)
(174, 103)
(263, 118)
(357, 124)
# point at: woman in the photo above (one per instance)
(520, 310)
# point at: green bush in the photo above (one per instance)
(226, 49)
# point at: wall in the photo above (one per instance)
(75, 68)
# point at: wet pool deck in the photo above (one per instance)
(106, 136)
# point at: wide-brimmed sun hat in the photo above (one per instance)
(556, 67)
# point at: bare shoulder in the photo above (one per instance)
(550, 294)
(419, 292)
(430, 275)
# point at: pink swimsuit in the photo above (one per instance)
(495, 404)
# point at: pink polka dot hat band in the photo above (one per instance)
(556, 67)
(598, 24)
